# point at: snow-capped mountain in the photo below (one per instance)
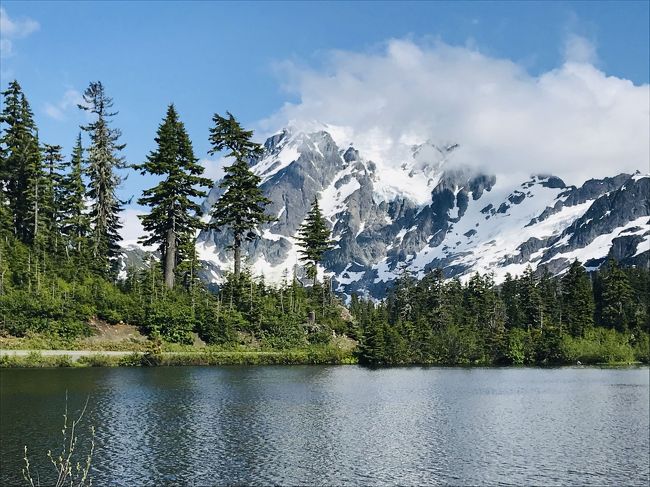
(424, 211)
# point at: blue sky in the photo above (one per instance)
(210, 57)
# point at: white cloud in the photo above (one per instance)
(213, 169)
(11, 29)
(573, 121)
(132, 229)
(6, 47)
(71, 98)
(578, 49)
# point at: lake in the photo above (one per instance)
(338, 425)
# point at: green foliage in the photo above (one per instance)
(103, 161)
(97, 360)
(313, 239)
(58, 274)
(74, 222)
(21, 169)
(526, 321)
(615, 295)
(131, 360)
(641, 343)
(241, 206)
(153, 356)
(171, 318)
(577, 300)
(519, 351)
(598, 345)
(174, 217)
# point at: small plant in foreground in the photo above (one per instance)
(68, 471)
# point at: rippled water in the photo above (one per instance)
(337, 425)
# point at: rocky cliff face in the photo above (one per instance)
(427, 213)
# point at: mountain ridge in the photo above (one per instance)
(429, 212)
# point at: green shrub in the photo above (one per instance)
(642, 347)
(520, 349)
(172, 319)
(598, 345)
(219, 324)
(63, 361)
(131, 360)
(98, 360)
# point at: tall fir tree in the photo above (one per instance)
(241, 207)
(550, 297)
(372, 349)
(174, 217)
(20, 164)
(103, 161)
(52, 194)
(35, 192)
(75, 222)
(577, 300)
(615, 297)
(512, 302)
(314, 239)
(11, 139)
(530, 299)
(435, 302)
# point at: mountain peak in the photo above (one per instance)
(427, 212)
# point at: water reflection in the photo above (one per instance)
(339, 425)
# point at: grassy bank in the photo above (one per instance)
(35, 341)
(310, 355)
(598, 347)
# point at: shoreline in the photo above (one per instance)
(26, 358)
(98, 358)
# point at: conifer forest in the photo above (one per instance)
(60, 258)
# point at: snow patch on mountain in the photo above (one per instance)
(601, 245)
(409, 205)
(481, 240)
(332, 200)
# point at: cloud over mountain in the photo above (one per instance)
(574, 121)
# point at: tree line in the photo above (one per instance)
(581, 317)
(60, 225)
(60, 258)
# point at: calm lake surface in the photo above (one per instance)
(336, 425)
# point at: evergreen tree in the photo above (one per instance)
(7, 173)
(174, 217)
(35, 191)
(435, 303)
(530, 299)
(372, 350)
(20, 164)
(616, 297)
(241, 206)
(550, 297)
(511, 301)
(11, 140)
(639, 279)
(314, 239)
(75, 223)
(103, 160)
(577, 300)
(6, 220)
(52, 194)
